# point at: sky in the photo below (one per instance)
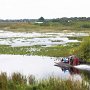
(34, 9)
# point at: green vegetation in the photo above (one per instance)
(79, 38)
(84, 49)
(53, 51)
(86, 25)
(47, 26)
(19, 82)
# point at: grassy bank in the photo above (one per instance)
(19, 82)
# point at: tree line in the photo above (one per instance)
(63, 19)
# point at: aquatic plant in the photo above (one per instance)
(53, 51)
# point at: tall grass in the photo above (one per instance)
(19, 82)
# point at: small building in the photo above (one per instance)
(38, 22)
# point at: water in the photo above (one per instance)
(30, 39)
(40, 67)
(83, 67)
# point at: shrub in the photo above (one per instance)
(84, 49)
(86, 26)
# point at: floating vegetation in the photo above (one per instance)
(57, 40)
(76, 38)
(53, 51)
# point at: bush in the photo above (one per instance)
(86, 26)
(84, 49)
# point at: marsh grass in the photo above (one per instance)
(53, 51)
(46, 27)
(18, 81)
(76, 38)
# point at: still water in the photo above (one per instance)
(40, 67)
(44, 39)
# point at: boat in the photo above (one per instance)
(63, 65)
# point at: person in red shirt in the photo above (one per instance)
(75, 61)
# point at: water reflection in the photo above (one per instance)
(73, 71)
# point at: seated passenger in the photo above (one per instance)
(65, 60)
(75, 61)
(71, 60)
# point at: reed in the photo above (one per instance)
(18, 81)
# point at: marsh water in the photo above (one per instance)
(40, 67)
(43, 39)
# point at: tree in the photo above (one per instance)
(41, 19)
(84, 49)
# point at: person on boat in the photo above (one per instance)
(71, 60)
(62, 60)
(75, 61)
(65, 60)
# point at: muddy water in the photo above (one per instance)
(40, 67)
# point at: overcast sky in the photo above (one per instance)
(30, 9)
